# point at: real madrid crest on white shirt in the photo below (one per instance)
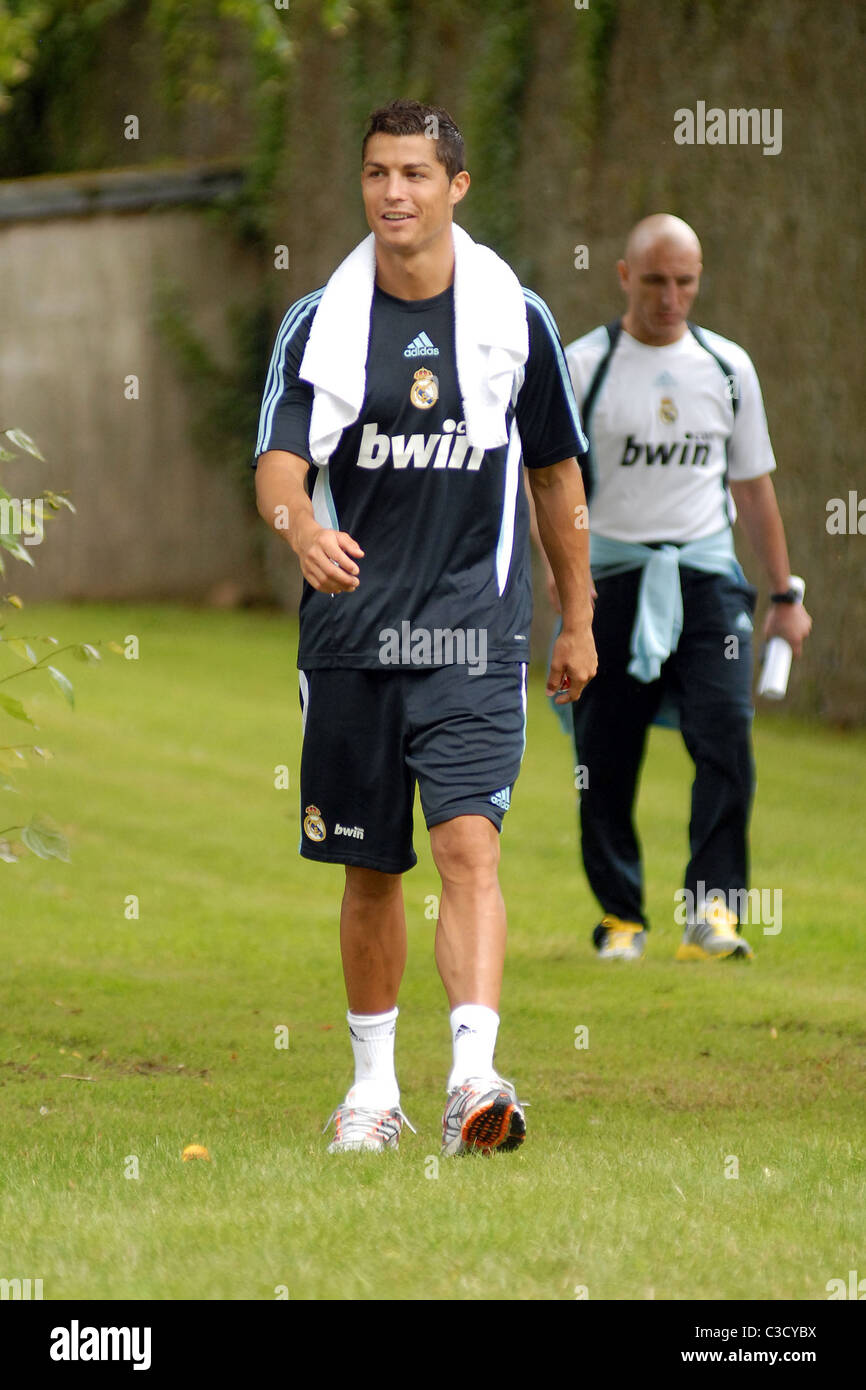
(667, 432)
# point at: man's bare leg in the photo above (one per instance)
(483, 1111)
(373, 946)
(470, 936)
(372, 939)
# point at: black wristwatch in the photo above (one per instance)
(786, 596)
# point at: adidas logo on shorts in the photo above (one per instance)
(422, 346)
(502, 799)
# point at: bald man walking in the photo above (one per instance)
(678, 446)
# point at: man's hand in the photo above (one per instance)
(327, 558)
(759, 517)
(791, 621)
(572, 665)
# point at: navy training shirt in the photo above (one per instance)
(444, 527)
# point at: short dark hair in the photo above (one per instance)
(404, 117)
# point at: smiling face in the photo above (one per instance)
(661, 274)
(408, 197)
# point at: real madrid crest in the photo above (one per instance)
(314, 826)
(667, 411)
(425, 389)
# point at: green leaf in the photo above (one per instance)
(86, 652)
(15, 548)
(22, 649)
(56, 500)
(45, 839)
(63, 683)
(15, 708)
(23, 441)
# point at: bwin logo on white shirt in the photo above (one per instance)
(422, 346)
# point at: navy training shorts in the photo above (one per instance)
(370, 735)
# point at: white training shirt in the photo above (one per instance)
(664, 434)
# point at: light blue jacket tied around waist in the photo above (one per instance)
(658, 620)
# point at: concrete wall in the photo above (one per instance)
(154, 518)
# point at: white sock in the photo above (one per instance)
(473, 1030)
(372, 1038)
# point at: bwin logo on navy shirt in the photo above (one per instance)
(450, 449)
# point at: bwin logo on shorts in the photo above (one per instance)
(502, 799)
(355, 832)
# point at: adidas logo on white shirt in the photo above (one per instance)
(422, 346)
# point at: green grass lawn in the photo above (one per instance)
(163, 779)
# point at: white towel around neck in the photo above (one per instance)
(491, 339)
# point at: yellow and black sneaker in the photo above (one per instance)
(615, 939)
(713, 936)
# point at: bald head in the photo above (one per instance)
(660, 229)
(660, 274)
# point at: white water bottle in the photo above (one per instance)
(776, 665)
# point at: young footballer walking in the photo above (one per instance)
(402, 402)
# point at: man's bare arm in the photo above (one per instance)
(560, 509)
(759, 516)
(327, 558)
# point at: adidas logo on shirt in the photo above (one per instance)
(502, 798)
(421, 346)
